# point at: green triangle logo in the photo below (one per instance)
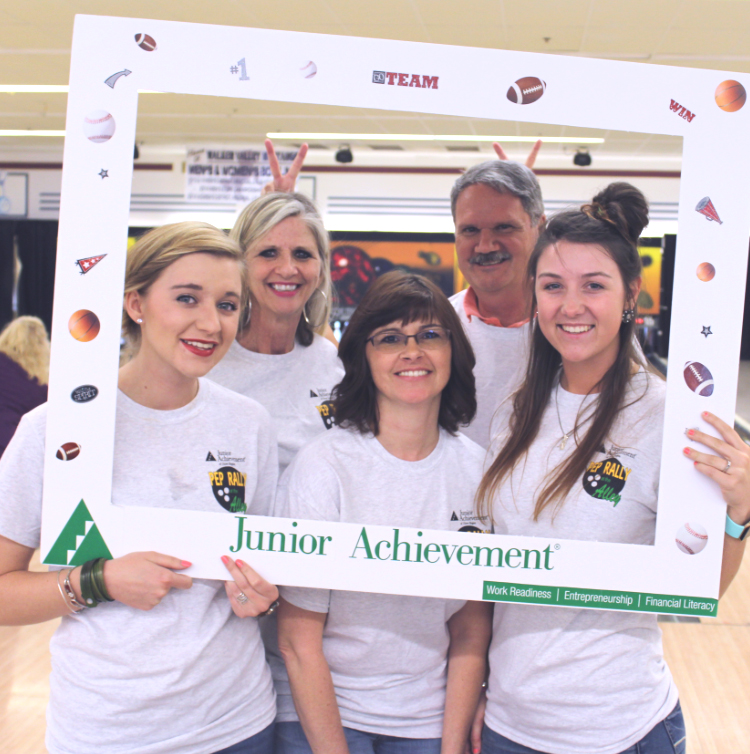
(79, 541)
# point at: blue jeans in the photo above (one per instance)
(290, 739)
(260, 743)
(667, 737)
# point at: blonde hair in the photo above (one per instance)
(25, 341)
(263, 215)
(157, 249)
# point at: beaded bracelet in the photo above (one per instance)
(69, 596)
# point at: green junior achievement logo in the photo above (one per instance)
(79, 541)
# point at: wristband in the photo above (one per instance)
(87, 588)
(735, 530)
(97, 581)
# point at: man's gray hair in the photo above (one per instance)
(505, 177)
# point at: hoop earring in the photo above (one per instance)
(627, 316)
(304, 311)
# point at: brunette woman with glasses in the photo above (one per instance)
(373, 672)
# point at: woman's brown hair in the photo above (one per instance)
(613, 221)
(402, 297)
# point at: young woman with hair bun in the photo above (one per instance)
(564, 680)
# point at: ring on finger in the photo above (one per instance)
(727, 467)
(242, 598)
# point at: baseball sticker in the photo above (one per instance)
(309, 69)
(84, 325)
(99, 126)
(691, 538)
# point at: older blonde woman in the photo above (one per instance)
(279, 359)
(24, 372)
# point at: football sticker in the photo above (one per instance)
(698, 378)
(526, 90)
(605, 480)
(228, 486)
(68, 451)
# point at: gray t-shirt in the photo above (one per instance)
(294, 387)
(387, 653)
(501, 354)
(187, 677)
(570, 681)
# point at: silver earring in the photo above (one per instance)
(304, 311)
(627, 316)
(139, 321)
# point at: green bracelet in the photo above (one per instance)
(97, 581)
(87, 589)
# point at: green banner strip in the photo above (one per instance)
(603, 599)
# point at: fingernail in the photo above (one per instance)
(240, 563)
(686, 451)
(705, 413)
(224, 559)
(690, 432)
(186, 564)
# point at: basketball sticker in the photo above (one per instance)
(228, 486)
(84, 325)
(705, 272)
(605, 480)
(730, 96)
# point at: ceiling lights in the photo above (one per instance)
(431, 137)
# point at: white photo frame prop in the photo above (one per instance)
(112, 58)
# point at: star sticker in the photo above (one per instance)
(706, 331)
(103, 173)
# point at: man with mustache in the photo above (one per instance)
(498, 213)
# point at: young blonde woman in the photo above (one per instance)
(562, 680)
(373, 673)
(147, 660)
(24, 372)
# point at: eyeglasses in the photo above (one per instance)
(430, 339)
